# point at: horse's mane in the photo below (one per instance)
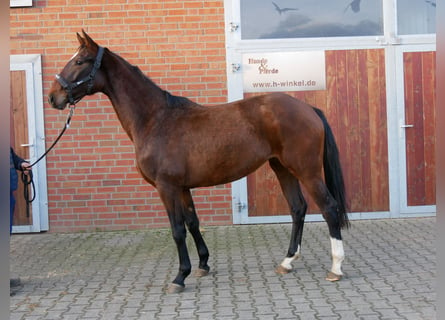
(172, 100)
(176, 101)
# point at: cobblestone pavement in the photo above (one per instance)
(389, 270)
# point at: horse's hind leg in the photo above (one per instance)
(298, 206)
(192, 223)
(328, 206)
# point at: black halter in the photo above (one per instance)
(28, 179)
(69, 86)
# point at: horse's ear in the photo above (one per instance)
(81, 40)
(88, 39)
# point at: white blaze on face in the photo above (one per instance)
(74, 55)
(287, 262)
(338, 255)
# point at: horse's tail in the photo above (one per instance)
(333, 173)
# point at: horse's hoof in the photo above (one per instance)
(175, 288)
(333, 277)
(201, 273)
(282, 270)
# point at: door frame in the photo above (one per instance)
(392, 43)
(405, 210)
(32, 65)
(236, 47)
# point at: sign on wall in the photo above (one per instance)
(284, 71)
(20, 3)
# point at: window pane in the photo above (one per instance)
(266, 19)
(416, 16)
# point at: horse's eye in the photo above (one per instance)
(79, 62)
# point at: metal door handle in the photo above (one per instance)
(407, 126)
(27, 144)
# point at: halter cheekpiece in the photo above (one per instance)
(69, 86)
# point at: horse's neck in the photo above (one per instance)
(135, 98)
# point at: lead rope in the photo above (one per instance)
(27, 179)
(66, 126)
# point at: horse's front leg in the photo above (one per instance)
(172, 199)
(192, 221)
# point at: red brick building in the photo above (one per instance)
(195, 48)
(91, 175)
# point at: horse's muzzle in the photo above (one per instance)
(53, 101)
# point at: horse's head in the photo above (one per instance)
(80, 77)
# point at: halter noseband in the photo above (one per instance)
(69, 86)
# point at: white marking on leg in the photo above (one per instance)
(338, 255)
(287, 262)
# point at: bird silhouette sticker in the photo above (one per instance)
(355, 6)
(432, 3)
(281, 10)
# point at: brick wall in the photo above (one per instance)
(92, 180)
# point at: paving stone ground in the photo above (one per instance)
(390, 270)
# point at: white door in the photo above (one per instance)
(28, 139)
(416, 87)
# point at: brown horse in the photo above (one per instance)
(182, 145)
